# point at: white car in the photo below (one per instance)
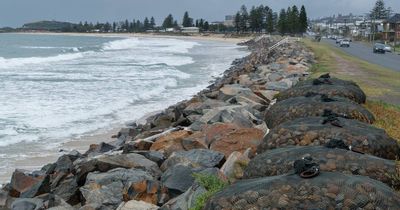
(388, 48)
(344, 43)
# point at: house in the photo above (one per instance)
(190, 30)
(229, 20)
(391, 27)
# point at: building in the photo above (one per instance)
(190, 30)
(391, 31)
(229, 20)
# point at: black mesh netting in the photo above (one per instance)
(312, 106)
(329, 190)
(326, 79)
(280, 161)
(321, 130)
(351, 92)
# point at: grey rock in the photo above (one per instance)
(178, 179)
(108, 188)
(106, 162)
(27, 204)
(185, 201)
(196, 158)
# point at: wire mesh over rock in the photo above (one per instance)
(280, 161)
(312, 106)
(329, 190)
(350, 91)
(320, 130)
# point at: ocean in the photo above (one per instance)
(56, 88)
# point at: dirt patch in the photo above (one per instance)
(376, 89)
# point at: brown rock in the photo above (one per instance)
(195, 141)
(237, 140)
(171, 142)
(217, 130)
(21, 182)
(147, 191)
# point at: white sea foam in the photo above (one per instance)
(6, 63)
(121, 44)
(47, 100)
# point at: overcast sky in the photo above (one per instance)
(17, 12)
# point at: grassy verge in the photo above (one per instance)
(386, 83)
(212, 184)
(387, 117)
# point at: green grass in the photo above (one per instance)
(386, 82)
(212, 184)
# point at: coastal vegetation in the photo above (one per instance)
(260, 19)
(289, 21)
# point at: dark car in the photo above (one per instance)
(379, 48)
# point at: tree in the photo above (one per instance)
(244, 18)
(187, 21)
(201, 23)
(282, 26)
(152, 22)
(289, 25)
(114, 27)
(237, 22)
(146, 24)
(379, 11)
(270, 21)
(206, 26)
(294, 20)
(168, 22)
(303, 23)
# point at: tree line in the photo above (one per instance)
(258, 19)
(263, 18)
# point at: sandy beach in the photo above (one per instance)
(199, 37)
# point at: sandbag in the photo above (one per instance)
(329, 190)
(320, 130)
(351, 92)
(280, 161)
(312, 106)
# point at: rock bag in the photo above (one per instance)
(329, 190)
(280, 161)
(320, 130)
(328, 86)
(312, 106)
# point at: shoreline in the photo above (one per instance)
(83, 142)
(229, 111)
(200, 37)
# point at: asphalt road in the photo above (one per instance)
(363, 51)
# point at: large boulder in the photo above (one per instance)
(106, 162)
(321, 130)
(112, 187)
(178, 179)
(327, 191)
(280, 161)
(241, 115)
(21, 182)
(313, 106)
(171, 142)
(351, 92)
(235, 165)
(198, 107)
(196, 158)
(237, 140)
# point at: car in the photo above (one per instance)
(338, 40)
(388, 48)
(379, 48)
(345, 43)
